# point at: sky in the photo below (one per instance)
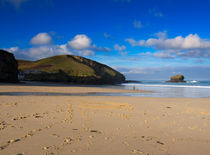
(143, 39)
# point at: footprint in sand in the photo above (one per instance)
(51, 153)
(95, 131)
(91, 137)
(126, 143)
(55, 135)
(46, 147)
(3, 125)
(37, 115)
(75, 129)
(51, 150)
(2, 147)
(55, 149)
(11, 104)
(68, 140)
(18, 118)
(13, 140)
(29, 134)
(159, 142)
(137, 151)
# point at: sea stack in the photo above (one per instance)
(177, 78)
(8, 67)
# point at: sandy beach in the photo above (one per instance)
(101, 125)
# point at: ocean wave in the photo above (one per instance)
(193, 81)
(177, 86)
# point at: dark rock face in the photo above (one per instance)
(177, 78)
(132, 81)
(100, 70)
(8, 67)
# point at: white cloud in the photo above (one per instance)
(137, 24)
(47, 51)
(189, 46)
(40, 52)
(41, 39)
(180, 43)
(79, 42)
(79, 45)
(12, 49)
(86, 53)
(62, 49)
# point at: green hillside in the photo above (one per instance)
(69, 68)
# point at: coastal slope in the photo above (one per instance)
(69, 68)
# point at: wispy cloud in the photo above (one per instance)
(15, 3)
(137, 24)
(164, 73)
(121, 49)
(127, 1)
(100, 49)
(155, 12)
(18, 3)
(106, 35)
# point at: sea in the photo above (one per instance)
(189, 89)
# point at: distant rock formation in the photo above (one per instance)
(132, 81)
(69, 68)
(8, 67)
(177, 78)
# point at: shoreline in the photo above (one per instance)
(62, 88)
(54, 89)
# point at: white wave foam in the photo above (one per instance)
(177, 86)
(194, 81)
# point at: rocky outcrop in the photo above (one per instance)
(132, 81)
(177, 78)
(8, 67)
(69, 68)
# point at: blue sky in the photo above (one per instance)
(144, 39)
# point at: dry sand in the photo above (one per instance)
(101, 125)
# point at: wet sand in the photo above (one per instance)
(101, 125)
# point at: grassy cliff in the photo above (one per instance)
(69, 68)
